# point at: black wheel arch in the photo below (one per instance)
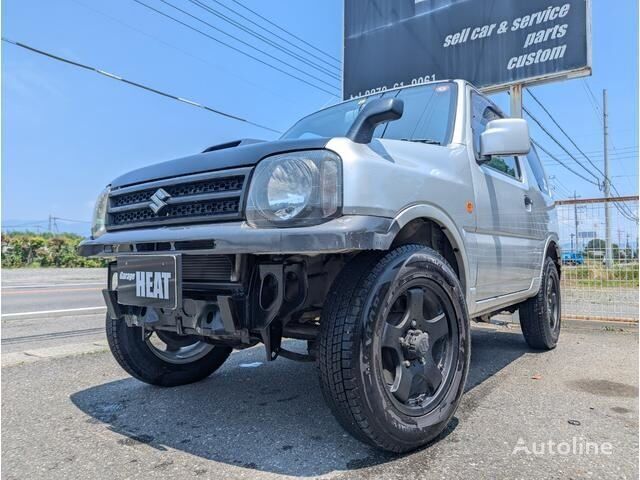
(553, 252)
(430, 233)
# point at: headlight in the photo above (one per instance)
(99, 223)
(295, 189)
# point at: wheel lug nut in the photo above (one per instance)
(413, 323)
(406, 363)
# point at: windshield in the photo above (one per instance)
(428, 116)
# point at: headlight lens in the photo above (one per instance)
(295, 189)
(99, 223)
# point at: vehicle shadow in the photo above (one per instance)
(269, 417)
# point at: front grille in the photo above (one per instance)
(206, 197)
(184, 211)
(193, 188)
(207, 268)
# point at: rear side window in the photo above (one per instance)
(538, 171)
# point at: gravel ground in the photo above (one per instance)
(82, 417)
(610, 302)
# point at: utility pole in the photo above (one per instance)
(573, 235)
(50, 220)
(575, 217)
(607, 221)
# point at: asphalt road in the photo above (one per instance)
(47, 308)
(82, 417)
(69, 411)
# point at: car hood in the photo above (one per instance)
(241, 153)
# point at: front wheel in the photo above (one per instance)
(395, 347)
(163, 358)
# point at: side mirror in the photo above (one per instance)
(505, 136)
(374, 113)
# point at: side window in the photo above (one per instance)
(538, 171)
(482, 113)
(508, 165)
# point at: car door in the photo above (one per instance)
(503, 214)
(542, 215)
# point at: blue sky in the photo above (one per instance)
(67, 132)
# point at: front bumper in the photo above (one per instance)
(348, 233)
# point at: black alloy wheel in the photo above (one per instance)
(419, 346)
(394, 347)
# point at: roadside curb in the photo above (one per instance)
(570, 324)
(34, 355)
(612, 326)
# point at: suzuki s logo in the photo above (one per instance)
(159, 201)
(153, 285)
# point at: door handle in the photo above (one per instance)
(528, 203)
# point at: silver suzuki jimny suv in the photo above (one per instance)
(373, 230)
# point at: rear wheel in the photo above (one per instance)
(540, 316)
(163, 358)
(394, 347)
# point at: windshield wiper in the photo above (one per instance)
(428, 141)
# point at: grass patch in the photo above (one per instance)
(594, 274)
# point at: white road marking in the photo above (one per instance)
(250, 365)
(48, 312)
(50, 285)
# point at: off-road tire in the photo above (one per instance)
(348, 377)
(136, 358)
(538, 332)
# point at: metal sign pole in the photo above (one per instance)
(515, 91)
(607, 221)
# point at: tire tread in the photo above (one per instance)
(337, 329)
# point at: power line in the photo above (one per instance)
(271, 32)
(26, 225)
(70, 220)
(563, 164)
(606, 178)
(242, 51)
(620, 156)
(563, 131)
(195, 17)
(191, 27)
(630, 157)
(266, 40)
(136, 84)
(623, 209)
(557, 142)
(184, 52)
(620, 151)
(593, 100)
(559, 185)
(598, 111)
(286, 31)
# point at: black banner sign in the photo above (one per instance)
(490, 43)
